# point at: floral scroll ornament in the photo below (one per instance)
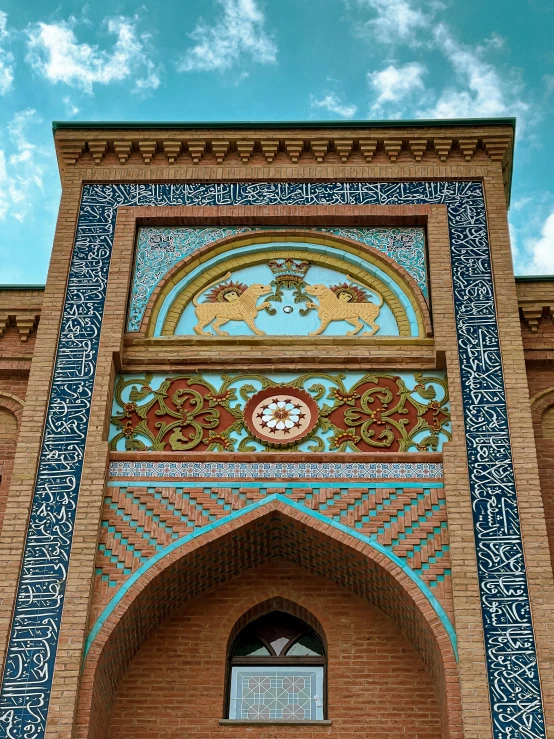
(312, 412)
(289, 274)
(182, 420)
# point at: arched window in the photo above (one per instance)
(277, 671)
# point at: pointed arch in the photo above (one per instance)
(274, 527)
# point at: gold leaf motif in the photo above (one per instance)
(241, 308)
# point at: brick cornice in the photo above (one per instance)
(257, 151)
(533, 312)
(535, 300)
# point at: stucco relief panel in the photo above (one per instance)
(311, 412)
(159, 249)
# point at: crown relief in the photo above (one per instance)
(317, 150)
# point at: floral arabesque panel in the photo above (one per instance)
(159, 249)
(313, 412)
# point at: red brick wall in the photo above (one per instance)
(377, 685)
(15, 361)
(540, 376)
(8, 440)
(13, 388)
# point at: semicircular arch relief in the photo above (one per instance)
(289, 285)
(13, 404)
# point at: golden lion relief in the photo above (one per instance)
(333, 307)
(235, 301)
(238, 304)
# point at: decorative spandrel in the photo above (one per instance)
(289, 289)
(314, 412)
(159, 249)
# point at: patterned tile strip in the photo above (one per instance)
(280, 470)
(514, 685)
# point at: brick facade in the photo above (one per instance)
(19, 315)
(371, 665)
(155, 663)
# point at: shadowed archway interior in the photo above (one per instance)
(271, 537)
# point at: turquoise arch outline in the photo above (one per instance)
(305, 246)
(425, 590)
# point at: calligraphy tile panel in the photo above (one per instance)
(515, 696)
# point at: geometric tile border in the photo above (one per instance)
(514, 686)
(279, 470)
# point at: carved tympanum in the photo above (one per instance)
(228, 300)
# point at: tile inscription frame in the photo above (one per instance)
(514, 687)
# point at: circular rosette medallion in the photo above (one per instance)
(281, 415)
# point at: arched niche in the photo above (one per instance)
(548, 423)
(11, 410)
(274, 531)
(542, 413)
(353, 273)
(8, 426)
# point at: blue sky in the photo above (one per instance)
(268, 60)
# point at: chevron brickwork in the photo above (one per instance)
(140, 520)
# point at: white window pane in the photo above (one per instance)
(277, 693)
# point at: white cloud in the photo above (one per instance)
(54, 52)
(541, 250)
(397, 21)
(477, 87)
(70, 106)
(332, 103)
(393, 85)
(521, 203)
(6, 58)
(240, 31)
(548, 80)
(482, 91)
(21, 172)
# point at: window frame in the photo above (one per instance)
(274, 660)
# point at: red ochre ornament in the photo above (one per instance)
(281, 415)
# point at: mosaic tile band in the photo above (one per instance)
(279, 470)
(515, 695)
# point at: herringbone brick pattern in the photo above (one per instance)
(140, 520)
